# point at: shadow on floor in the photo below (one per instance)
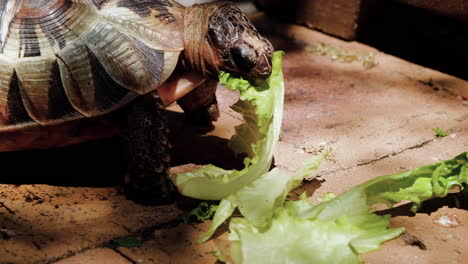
(102, 163)
(95, 163)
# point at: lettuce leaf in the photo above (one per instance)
(262, 110)
(341, 228)
(205, 210)
(258, 200)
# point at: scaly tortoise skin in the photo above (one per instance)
(66, 64)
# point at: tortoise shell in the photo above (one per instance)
(67, 59)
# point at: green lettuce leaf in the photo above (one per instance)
(341, 228)
(258, 200)
(262, 110)
(205, 210)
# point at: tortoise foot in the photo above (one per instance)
(152, 195)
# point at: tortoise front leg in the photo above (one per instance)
(147, 137)
(196, 96)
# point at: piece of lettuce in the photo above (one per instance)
(204, 211)
(262, 110)
(341, 228)
(258, 201)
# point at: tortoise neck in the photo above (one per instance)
(198, 53)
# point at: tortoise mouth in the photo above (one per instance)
(261, 71)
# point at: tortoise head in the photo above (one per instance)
(218, 37)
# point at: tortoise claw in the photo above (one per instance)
(151, 197)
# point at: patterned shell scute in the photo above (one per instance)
(66, 59)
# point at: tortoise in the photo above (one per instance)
(65, 65)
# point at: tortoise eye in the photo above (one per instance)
(242, 57)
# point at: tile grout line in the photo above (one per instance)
(121, 226)
(69, 255)
(9, 210)
(84, 250)
(103, 245)
(422, 144)
(124, 256)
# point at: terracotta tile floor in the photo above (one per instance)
(377, 120)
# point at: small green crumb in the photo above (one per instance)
(205, 210)
(215, 253)
(439, 132)
(129, 241)
(328, 196)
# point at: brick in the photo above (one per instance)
(454, 8)
(340, 18)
